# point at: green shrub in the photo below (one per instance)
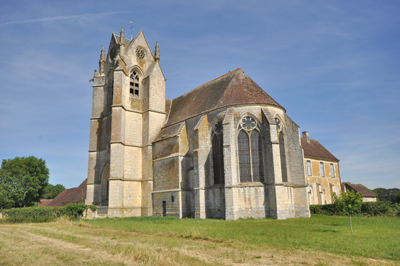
(31, 214)
(45, 214)
(368, 209)
(75, 210)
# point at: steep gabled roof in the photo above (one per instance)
(316, 150)
(233, 88)
(360, 189)
(70, 195)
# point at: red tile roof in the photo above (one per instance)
(233, 88)
(70, 195)
(360, 189)
(316, 150)
(44, 202)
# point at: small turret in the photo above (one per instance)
(157, 53)
(102, 61)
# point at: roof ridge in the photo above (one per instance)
(196, 88)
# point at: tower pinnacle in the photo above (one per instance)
(157, 53)
(102, 61)
(121, 37)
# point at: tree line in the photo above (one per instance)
(391, 194)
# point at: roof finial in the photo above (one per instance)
(157, 53)
(121, 37)
(102, 61)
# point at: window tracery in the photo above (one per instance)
(134, 84)
(250, 151)
(140, 53)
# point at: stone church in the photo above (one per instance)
(225, 149)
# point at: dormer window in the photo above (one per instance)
(134, 84)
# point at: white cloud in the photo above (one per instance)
(50, 19)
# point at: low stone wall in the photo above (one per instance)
(368, 199)
(101, 212)
(89, 214)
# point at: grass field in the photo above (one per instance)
(321, 240)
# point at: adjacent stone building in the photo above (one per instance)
(225, 149)
(368, 196)
(322, 171)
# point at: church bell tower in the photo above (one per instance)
(128, 111)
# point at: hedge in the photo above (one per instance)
(368, 209)
(44, 214)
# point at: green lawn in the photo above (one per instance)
(377, 238)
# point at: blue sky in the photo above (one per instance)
(334, 66)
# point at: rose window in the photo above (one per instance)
(140, 53)
(248, 123)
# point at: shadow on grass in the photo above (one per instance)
(325, 230)
(334, 224)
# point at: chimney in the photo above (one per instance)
(306, 136)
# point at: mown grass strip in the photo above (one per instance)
(377, 238)
(95, 244)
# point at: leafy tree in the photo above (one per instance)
(397, 198)
(22, 181)
(350, 203)
(5, 201)
(52, 191)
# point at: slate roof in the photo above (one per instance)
(233, 88)
(169, 132)
(316, 150)
(360, 189)
(70, 195)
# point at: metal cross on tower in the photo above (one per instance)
(131, 28)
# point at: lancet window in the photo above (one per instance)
(279, 129)
(250, 151)
(218, 152)
(134, 84)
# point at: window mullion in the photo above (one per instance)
(250, 155)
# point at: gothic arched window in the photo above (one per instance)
(283, 156)
(134, 84)
(250, 151)
(218, 153)
(282, 151)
